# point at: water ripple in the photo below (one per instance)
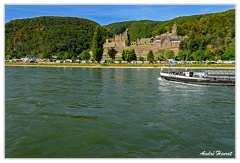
(101, 113)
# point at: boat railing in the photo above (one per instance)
(220, 72)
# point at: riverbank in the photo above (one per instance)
(94, 65)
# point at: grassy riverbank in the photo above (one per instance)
(95, 65)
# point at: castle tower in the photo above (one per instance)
(125, 35)
(174, 28)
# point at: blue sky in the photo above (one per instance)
(106, 14)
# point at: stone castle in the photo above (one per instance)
(164, 41)
(118, 40)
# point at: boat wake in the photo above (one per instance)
(160, 79)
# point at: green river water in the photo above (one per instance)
(114, 113)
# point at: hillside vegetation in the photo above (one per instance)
(136, 29)
(48, 35)
(210, 36)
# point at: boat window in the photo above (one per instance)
(191, 74)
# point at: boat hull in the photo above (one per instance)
(216, 81)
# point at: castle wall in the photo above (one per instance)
(170, 41)
(114, 44)
(118, 40)
(140, 50)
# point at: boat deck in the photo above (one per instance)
(209, 77)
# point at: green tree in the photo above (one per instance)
(60, 55)
(208, 55)
(218, 52)
(181, 55)
(229, 54)
(127, 43)
(73, 58)
(169, 54)
(11, 54)
(150, 56)
(123, 55)
(134, 56)
(67, 55)
(193, 45)
(97, 45)
(112, 52)
(141, 58)
(129, 55)
(44, 55)
(197, 55)
(8, 57)
(85, 55)
(160, 54)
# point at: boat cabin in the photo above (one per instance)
(191, 74)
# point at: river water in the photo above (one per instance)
(114, 113)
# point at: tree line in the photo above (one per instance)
(130, 55)
(64, 37)
(210, 37)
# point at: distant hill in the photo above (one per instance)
(198, 24)
(210, 36)
(211, 33)
(48, 35)
(136, 29)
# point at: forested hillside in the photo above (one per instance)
(48, 35)
(136, 29)
(210, 36)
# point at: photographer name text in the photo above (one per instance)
(216, 153)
